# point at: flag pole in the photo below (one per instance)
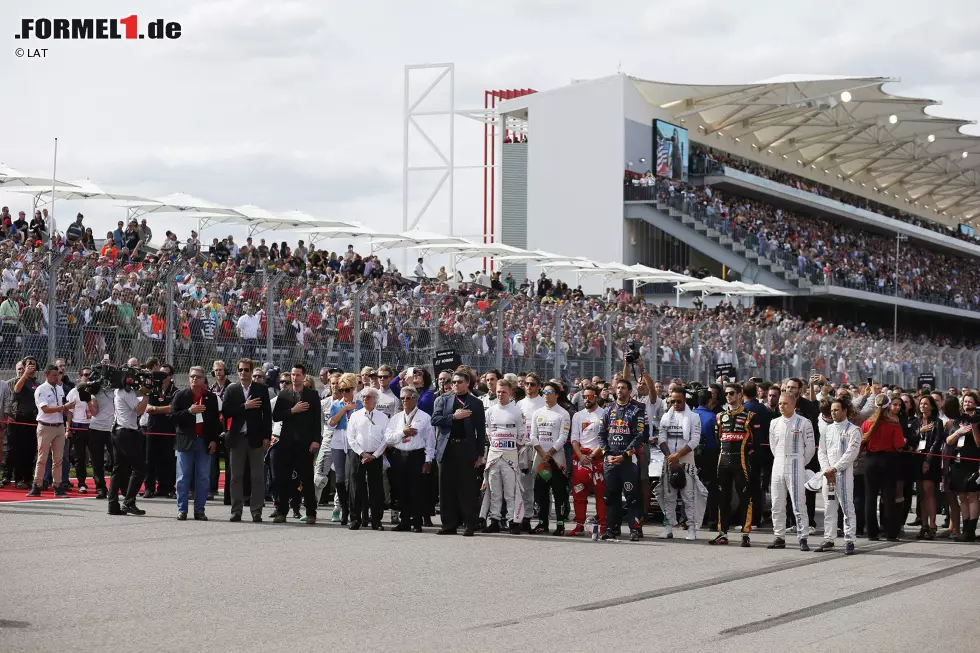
(54, 177)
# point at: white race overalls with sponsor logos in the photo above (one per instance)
(502, 478)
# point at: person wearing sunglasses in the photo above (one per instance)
(680, 433)
(460, 444)
(388, 403)
(531, 402)
(586, 473)
(342, 406)
(249, 413)
(298, 408)
(161, 474)
(198, 425)
(622, 432)
(734, 427)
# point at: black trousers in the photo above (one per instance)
(459, 488)
(99, 442)
(622, 479)
(23, 448)
(760, 480)
(296, 457)
(408, 483)
(431, 493)
(706, 461)
(558, 485)
(880, 474)
(732, 474)
(277, 460)
(161, 464)
(129, 453)
(367, 484)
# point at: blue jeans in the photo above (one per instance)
(194, 464)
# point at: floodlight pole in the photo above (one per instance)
(899, 237)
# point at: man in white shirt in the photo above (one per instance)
(77, 429)
(680, 433)
(525, 455)
(549, 432)
(367, 443)
(413, 439)
(791, 442)
(506, 432)
(129, 452)
(587, 473)
(388, 403)
(51, 413)
(248, 330)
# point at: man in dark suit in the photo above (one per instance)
(298, 408)
(198, 425)
(760, 458)
(460, 444)
(248, 410)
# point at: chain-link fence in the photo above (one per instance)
(85, 310)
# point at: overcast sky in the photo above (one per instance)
(297, 104)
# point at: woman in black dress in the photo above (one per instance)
(928, 436)
(963, 470)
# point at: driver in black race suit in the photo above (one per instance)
(622, 432)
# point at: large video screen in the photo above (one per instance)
(670, 144)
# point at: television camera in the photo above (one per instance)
(122, 377)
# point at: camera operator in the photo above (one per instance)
(51, 412)
(195, 415)
(221, 382)
(102, 409)
(161, 466)
(23, 437)
(128, 448)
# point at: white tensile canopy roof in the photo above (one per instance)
(84, 189)
(535, 255)
(181, 203)
(476, 250)
(260, 220)
(10, 178)
(847, 126)
(418, 239)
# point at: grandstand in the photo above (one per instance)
(830, 189)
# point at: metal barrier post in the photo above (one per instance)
(654, 347)
(55, 261)
(171, 287)
(271, 285)
(357, 327)
(768, 354)
(940, 369)
(559, 334)
(499, 348)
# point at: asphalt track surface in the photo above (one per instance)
(74, 578)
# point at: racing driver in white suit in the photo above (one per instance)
(840, 444)
(505, 431)
(792, 445)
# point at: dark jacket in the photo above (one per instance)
(161, 423)
(761, 418)
(186, 422)
(302, 428)
(474, 426)
(258, 420)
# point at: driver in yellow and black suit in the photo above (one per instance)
(735, 440)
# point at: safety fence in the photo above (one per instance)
(193, 315)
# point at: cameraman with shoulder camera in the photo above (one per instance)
(128, 447)
(161, 467)
(98, 396)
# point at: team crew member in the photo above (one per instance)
(161, 465)
(411, 434)
(77, 431)
(760, 458)
(51, 412)
(505, 429)
(680, 433)
(587, 474)
(621, 433)
(298, 408)
(734, 428)
(195, 415)
(840, 444)
(23, 432)
(366, 442)
(549, 433)
(460, 443)
(100, 436)
(791, 440)
(883, 437)
(531, 402)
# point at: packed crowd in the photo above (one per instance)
(508, 452)
(811, 186)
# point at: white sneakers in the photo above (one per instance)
(692, 534)
(667, 533)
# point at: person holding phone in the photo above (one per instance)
(963, 470)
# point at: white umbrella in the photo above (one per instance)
(12, 178)
(84, 189)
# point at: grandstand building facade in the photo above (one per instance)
(780, 180)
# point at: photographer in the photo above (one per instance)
(129, 449)
(102, 410)
(196, 418)
(22, 434)
(161, 467)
